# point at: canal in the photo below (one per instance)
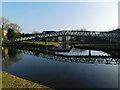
(63, 67)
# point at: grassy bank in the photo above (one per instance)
(7, 43)
(56, 44)
(41, 43)
(114, 46)
(11, 81)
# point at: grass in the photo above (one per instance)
(76, 43)
(11, 81)
(43, 43)
(49, 43)
(7, 42)
(81, 44)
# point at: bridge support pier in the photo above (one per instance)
(89, 52)
(89, 39)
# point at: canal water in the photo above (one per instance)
(81, 68)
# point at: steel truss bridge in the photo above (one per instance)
(75, 59)
(104, 35)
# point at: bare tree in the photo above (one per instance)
(13, 26)
(5, 25)
(3, 22)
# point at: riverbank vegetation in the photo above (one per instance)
(11, 81)
(114, 46)
(40, 43)
(56, 44)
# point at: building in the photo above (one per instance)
(3, 34)
(48, 32)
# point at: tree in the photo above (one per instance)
(11, 34)
(3, 22)
(16, 27)
(18, 35)
(6, 25)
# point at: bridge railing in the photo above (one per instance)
(74, 33)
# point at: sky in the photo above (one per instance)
(41, 16)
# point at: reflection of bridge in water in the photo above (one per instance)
(74, 59)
